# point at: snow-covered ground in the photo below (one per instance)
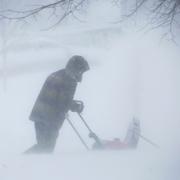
(91, 165)
(131, 76)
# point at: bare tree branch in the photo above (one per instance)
(162, 13)
(65, 7)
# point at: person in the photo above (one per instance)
(54, 101)
(130, 141)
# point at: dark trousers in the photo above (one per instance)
(46, 136)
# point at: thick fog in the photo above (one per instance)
(132, 74)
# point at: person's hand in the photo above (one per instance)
(77, 106)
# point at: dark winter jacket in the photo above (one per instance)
(55, 97)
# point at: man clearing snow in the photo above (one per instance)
(130, 142)
(54, 101)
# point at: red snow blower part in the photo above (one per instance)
(130, 141)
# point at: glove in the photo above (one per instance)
(77, 106)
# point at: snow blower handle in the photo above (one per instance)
(91, 133)
(95, 137)
(77, 133)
